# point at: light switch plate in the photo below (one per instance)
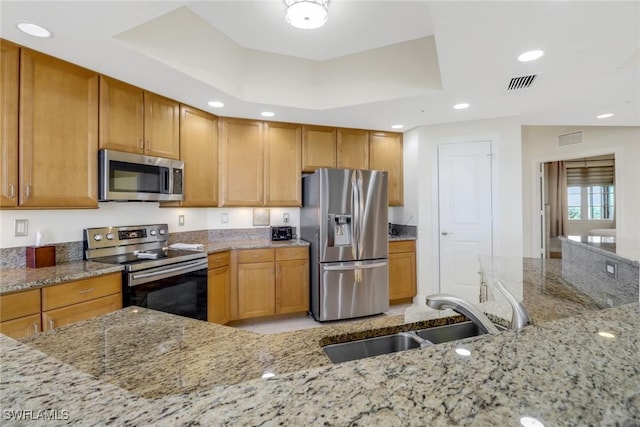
(611, 268)
(21, 227)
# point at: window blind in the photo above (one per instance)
(591, 172)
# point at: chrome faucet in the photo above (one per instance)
(417, 338)
(520, 317)
(444, 301)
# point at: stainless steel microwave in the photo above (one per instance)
(135, 177)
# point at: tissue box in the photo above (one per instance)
(41, 256)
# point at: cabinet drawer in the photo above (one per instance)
(219, 259)
(255, 255)
(402, 246)
(23, 327)
(77, 312)
(80, 291)
(19, 304)
(296, 252)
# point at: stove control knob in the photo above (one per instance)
(109, 236)
(152, 232)
(162, 231)
(97, 237)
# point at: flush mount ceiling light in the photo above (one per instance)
(34, 30)
(531, 55)
(307, 14)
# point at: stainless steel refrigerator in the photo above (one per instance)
(344, 218)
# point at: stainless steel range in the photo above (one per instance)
(154, 276)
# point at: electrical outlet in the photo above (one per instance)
(180, 220)
(21, 227)
(285, 217)
(224, 218)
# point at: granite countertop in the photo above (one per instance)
(20, 279)
(141, 367)
(228, 245)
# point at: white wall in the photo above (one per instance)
(58, 226)
(505, 137)
(539, 145)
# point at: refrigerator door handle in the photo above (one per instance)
(361, 204)
(355, 212)
(354, 267)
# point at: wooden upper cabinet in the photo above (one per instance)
(282, 163)
(318, 147)
(58, 130)
(385, 153)
(161, 126)
(137, 121)
(199, 151)
(121, 116)
(9, 69)
(353, 148)
(241, 162)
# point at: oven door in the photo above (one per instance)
(179, 289)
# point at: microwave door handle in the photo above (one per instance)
(167, 180)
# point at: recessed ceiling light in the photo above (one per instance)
(397, 126)
(531, 55)
(461, 106)
(34, 30)
(267, 114)
(604, 116)
(216, 104)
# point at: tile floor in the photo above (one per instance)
(294, 322)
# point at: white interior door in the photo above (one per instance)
(465, 218)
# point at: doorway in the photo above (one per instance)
(465, 215)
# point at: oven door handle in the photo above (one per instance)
(163, 273)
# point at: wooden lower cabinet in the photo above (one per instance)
(218, 288)
(402, 270)
(272, 281)
(80, 299)
(20, 313)
(76, 312)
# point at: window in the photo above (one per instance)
(590, 202)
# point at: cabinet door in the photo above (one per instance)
(283, 170)
(402, 275)
(199, 152)
(58, 133)
(256, 290)
(76, 312)
(22, 327)
(19, 304)
(241, 162)
(9, 67)
(161, 126)
(292, 286)
(218, 288)
(385, 153)
(353, 149)
(318, 148)
(81, 290)
(121, 116)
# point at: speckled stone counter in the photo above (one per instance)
(19, 279)
(227, 245)
(149, 368)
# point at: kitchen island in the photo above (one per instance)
(140, 367)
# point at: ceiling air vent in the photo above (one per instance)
(522, 82)
(570, 138)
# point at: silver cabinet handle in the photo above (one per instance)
(50, 324)
(141, 144)
(86, 291)
(35, 328)
(12, 191)
(27, 191)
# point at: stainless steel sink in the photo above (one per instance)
(377, 346)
